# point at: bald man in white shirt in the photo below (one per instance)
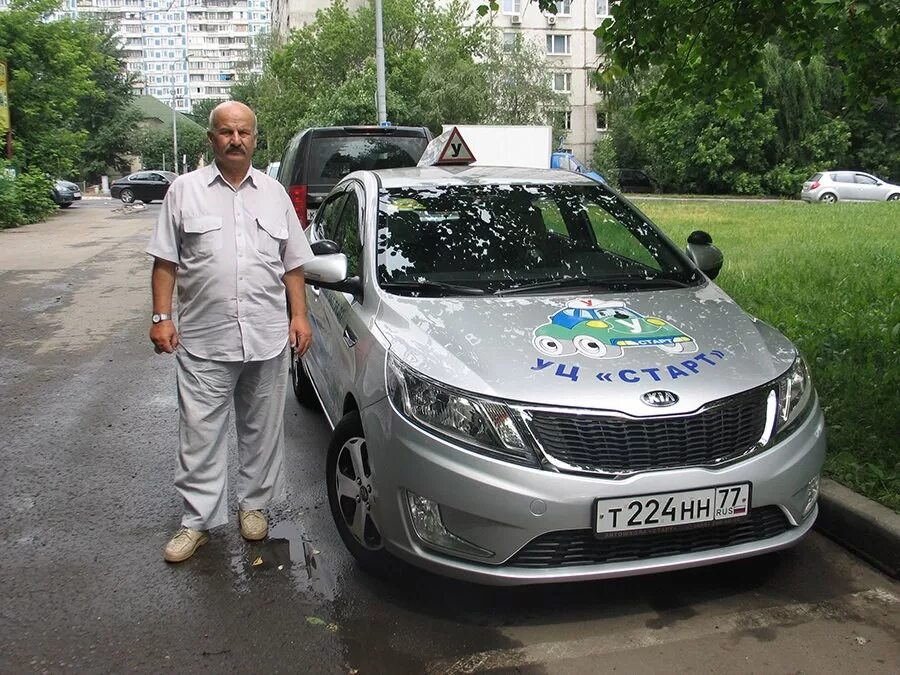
(229, 240)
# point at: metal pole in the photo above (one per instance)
(174, 128)
(379, 64)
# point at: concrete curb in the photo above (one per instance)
(870, 530)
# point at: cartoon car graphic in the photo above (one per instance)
(602, 330)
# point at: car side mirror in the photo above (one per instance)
(329, 270)
(703, 254)
(324, 247)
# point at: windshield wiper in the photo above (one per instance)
(431, 286)
(595, 282)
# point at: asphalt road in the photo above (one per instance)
(88, 425)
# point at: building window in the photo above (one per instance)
(561, 119)
(512, 6)
(557, 44)
(602, 120)
(563, 7)
(509, 42)
(562, 82)
(602, 7)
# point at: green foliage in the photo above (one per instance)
(24, 199)
(68, 96)
(788, 264)
(604, 159)
(155, 146)
(521, 92)
(439, 69)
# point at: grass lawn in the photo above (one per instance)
(828, 277)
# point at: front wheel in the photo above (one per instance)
(127, 195)
(352, 496)
(894, 197)
(65, 206)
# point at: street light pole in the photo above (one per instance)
(379, 64)
(174, 128)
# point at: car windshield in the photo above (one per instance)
(508, 238)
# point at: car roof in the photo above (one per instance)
(475, 175)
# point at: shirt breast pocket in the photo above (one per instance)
(271, 235)
(202, 235)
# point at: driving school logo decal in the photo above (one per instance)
(604, 330)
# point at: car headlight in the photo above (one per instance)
(482, 425)
(794, 396)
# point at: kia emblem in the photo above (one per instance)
(659, 398)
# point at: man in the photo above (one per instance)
(229, 238)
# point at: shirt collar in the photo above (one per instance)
(212, 173)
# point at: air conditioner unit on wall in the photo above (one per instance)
(515, 18)
(551, 19)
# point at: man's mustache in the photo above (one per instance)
(233, 148)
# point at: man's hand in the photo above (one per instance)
(164, 337)
(300, 334)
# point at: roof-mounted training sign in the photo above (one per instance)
(448, 149)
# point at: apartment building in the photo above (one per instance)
(572, 53)
(183, 51)
(290, 14)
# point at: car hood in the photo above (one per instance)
(487, 345)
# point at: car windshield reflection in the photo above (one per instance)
(499, 238)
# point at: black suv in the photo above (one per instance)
(317, 158)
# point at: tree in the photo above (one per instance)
(201, 109)
(68, 96)
(155, 146)
(519, 82)
(439, 69)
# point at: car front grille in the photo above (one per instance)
(570, 548)
(617, 445)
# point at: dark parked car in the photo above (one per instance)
(65, 193)
(634, 180)
(317, 158)
(143, 185)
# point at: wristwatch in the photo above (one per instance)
(156, 318)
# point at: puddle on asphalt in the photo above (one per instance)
(287, 551)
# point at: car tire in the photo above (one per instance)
(302, 385)
(127, 195)
(351, 492)
(894, 197)
(828, 198)
(65, 206)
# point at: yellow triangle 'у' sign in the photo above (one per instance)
(455, 151)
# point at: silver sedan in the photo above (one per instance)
(528, 382)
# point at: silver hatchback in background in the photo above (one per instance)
(832, 186)
(528, 382)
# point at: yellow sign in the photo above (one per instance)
(4, 99)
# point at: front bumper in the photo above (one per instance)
(502, 507)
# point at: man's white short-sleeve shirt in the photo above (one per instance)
(232, 248)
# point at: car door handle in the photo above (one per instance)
(349, 338)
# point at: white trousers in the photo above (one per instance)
(206, 391)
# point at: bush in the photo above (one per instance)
(25, 198)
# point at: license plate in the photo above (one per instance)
(77, 195)
(625, 515)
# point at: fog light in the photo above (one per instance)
(812, 494)
(426, 520)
